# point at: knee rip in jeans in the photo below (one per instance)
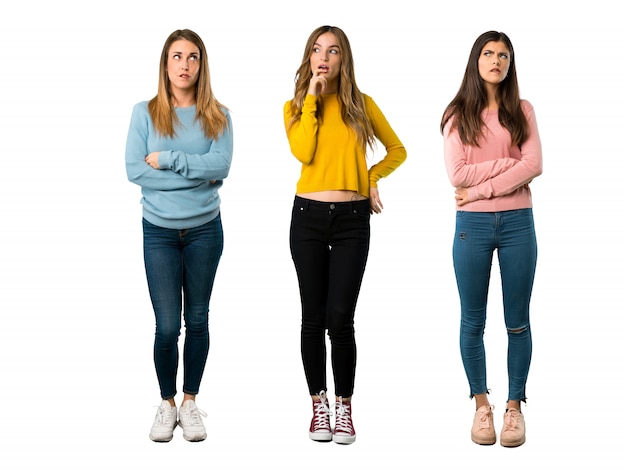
(517, 330)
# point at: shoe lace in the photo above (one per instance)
(343, 420)
(484, 420)
(192, 415)
(321, 414)
(511, 418)
(164, 417)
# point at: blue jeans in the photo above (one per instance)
(329, 245)
(477, 236)
(180, 268)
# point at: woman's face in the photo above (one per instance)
(494, 62)
(183, 65)
(326, 57)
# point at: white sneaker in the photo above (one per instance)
(191, 423)
(164, 423)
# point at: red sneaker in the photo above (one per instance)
(320, 424)
(344, 429)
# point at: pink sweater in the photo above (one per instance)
(495, 172)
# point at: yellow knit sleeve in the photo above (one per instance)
(302, 134)
(396, 153)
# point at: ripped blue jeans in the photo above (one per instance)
(477, 236)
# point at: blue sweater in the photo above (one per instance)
(180, 194)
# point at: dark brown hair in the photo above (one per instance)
(466, 108)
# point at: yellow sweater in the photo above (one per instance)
(331, 156)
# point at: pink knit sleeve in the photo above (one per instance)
(464, 174)
(525, 169)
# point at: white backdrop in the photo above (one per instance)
(77, 384)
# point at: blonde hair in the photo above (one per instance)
(209, 111)
(350, 97)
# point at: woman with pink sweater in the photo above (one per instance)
(492, 152)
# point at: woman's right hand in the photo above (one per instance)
(317, 83)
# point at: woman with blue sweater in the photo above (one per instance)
(179, 149)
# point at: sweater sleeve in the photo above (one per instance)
(302, 135)
(137, 170)
(213, 165)
(529, 166)
(465, 174)
(396, 153)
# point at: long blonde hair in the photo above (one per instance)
(209, 111)
(350, 97)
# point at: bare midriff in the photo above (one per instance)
(333, 196)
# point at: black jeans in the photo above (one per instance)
(329, 245)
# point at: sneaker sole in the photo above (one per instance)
(484, 441)
(191, 438)
(163, 440)
(513, 444)
(321, 437)
(344, 439)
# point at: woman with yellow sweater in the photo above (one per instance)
(330, 124)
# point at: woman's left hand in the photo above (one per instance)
(375, 203)
(153, 160)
